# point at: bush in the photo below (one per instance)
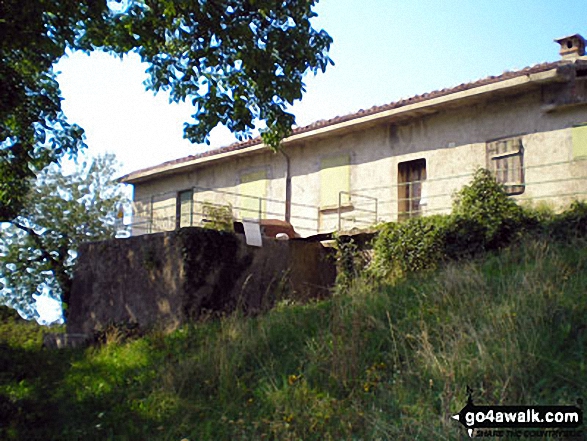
(463, 237)
(569, 224)
(218, 217)
(413, 245)
(18, 332)
(351, 260)
(484, 202)
(484, 218)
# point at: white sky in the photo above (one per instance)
(384, 50)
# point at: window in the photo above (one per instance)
(335, 176)
(411, 175)
(184, 209)
(253, 192)
(505, 158)
(579, 134)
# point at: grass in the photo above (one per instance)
(375, 361)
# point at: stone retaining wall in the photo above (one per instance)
(167, 279)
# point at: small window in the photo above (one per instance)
(505, 158)
(411, 175)
(184, 209)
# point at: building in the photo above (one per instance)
(391, 162)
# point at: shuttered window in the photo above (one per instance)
(505, 158)
(335, 176)
(579, 135)
(253, 192)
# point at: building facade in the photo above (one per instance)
(391, 162)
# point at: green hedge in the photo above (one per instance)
(483, 219)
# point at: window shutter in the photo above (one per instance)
(505, 159)
(335, 176)
(579, 135)
(252, 187)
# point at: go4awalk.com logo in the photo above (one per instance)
(561, 421)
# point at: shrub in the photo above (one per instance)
(350, 258)
(484, 204)
(570, 224)
(218, 217)
(484, 218)
(413, 245)
(18, 332)
(463, 237)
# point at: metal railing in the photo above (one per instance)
(159, 212)
(364, 209)
(552, 183)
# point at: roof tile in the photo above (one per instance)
(359, 114)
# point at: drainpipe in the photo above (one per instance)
(151, 217)
(287, 186)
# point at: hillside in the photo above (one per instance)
(378, 360)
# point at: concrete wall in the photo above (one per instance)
(218, 184)
(453, 143)
(171, 278)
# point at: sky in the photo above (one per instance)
(383, 50)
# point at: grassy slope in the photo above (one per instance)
(375, 362)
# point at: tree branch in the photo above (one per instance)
(37, 238)
(57, 265)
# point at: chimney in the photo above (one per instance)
(572, 47)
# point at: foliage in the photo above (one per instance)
(33, 130)
(412, 245)
(380, 361)
(38, 248)
(237, 62)
(484, 202)
(570, 223)
(483, 219)
(218, 217)
(390, 361)
(115, 333)
(350, 258)
(20, 333)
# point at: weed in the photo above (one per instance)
(381, 359)
(218, 217)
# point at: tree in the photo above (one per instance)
(33, 130)
(239, 62)
(38, 248)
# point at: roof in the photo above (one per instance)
(527, 72)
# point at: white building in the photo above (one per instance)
(390, 162)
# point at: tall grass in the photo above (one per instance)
(375, 361)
